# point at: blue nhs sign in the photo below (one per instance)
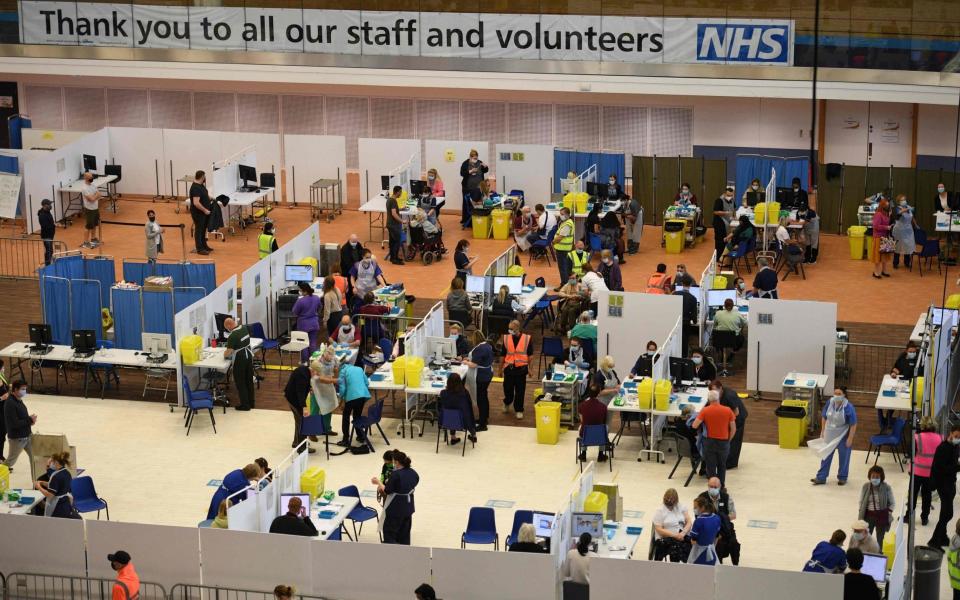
(746, 43)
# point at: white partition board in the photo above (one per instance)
(437, 158)
(95, 143)
(478, 574)
(342, 570)
(305, 244)
(530, 169)
(49, 138)
(255, 285)
(164, 555)
(279, 557)
(744, 583)
(39, 181)
(190, 151)
(615, 578)
(139, 152)
(39, 545)
(380, 156)
(308, 158)
(644, 317)
(267, 146)
(811, 328)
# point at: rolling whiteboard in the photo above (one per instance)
(530, 169)
(308, 158)
(189, 151)
(381, 156)
(9, 195)
(437, 158)
(479, 575)
(614, 578)
(744, 583)
(342, 570)
(285, 558)
(164, 555)
(645, 317)
(47, 546)
(139, 152)
(810, 328)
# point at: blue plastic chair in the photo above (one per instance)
(361, 513)
(519, 518)
(929, 249)
(596, 244)
(589, 351)
(451, 421)
(740, 254)
(481, 528)
(542, 247)
(550, 347)
(85, 498)
(595, 436)
(256, 330)
(386, 346)
(101, 372)
(893, 440)
(196, 401)
(370, 420)
(543, 309)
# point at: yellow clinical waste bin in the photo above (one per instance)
(414, 370)
(501, 224)
(4, 479)
(313, 264)
(481, 226)
(953, 301)
(312, 482)
(773, 212)
(760, 213)
(596, 502)
(190, 347)
(719, 282)
(548, 422)
(645, 393)
(805, 405)
(661, 393)
(399, 370)
(580, 202)
(790, 421)
(855, 235)
(570, 201)
(673, 237)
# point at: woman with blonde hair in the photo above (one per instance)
(283, 592)
(220, 522)
(527, 540)
(607, 379)
(671, 524)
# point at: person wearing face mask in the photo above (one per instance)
(577, 257)
(671, 524)
(322, 398)
(18, 423)
(720, 424)
(354, 389)
(585, 328)
(796, 198)
(366, 275)
(743, 292)
(606, 379)
(593, 283)
(683, 278)
(861, 538)
(462, 262)
(877, 503)
(633, 222)
(472, 172)
(307, 310)
(926, 443)
(723, 507)
(943, 478)
(48, 229)
(267, 241)
(456, 334)
(200, 209)
(883, 245)
(753, 194)
(609, 269)
(945, 201)
(238, 349)
(838, 426)
(296, 392)
(703, 534)
(154, 237)
(523, 225)
(614, 190)
(703, 368)
(644, 365)
(399, 506)
(517, 349)
(351, 252)
(684, 196)
(574, 356)
(479, 362)
(724, 211)
(435, 184)
(346, 333)
(235, 481)
(56, 488)
(903, 226)
(906, 365)
(563, 243)
(810, 234)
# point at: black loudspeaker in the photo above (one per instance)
(833, 171)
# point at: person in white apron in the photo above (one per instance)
(398, 508)
(479, 375)
(608, 380)
(323, 397)
(366, 274)
(839, 425)
(703, 534)
(56, 490)
(903, 233)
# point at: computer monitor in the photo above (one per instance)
(285, 501)
(41, 335)
(543, 524)
(593, 188)
(938, 313)
(681, 369)
(695, 290)
(418, 187)
(298, 273)
(585, 522)
(717, 297)
(219, 319)
(84, 340)
(442, 348)
(248, 174)
(875, 565)
(783, 193)
(476, 284)
(385, 183)
(89, 163)
(754, 197)
(156, 344)
(515, 284)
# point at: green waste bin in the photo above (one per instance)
(855, 234)
(548, 422)
(673, 235)
(790, 421)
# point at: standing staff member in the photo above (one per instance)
(366, 275)
(926, 445)
(154, 235)
(307, 311)
(395, 225)
(732, 400)
(943, 476)
(354, 390)
(200, 212)
(471, 172)
(91, 211)
(563, 243)
(267, 241)
(47, 230)
(479, 376)
(238, 347)
(721, 427)
(19, 423)
(296, 392)
(633, 221)
(723, 211)
(516, 352)
(398, 508)
(839, 425)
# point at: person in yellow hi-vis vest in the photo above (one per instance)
(563, 243)
(578, 258)
(267, 241)
(953, 563)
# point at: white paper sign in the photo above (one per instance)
(9, 195)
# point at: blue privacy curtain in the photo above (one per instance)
(158, 312)
(104, 271)
(607, 163)
(134, 272)
(85, 305)
(127, 326)
(68, 267)
(55, 296)
(184, 297)
(203, 275)
(752, 165)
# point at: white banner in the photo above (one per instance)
(395, 33)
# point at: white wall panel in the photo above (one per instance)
(285, 557)
(162, 554)
(379, 157)
(532, 174)
(48, 546)
(267, 146)
(450, 171)
(613, 578)
(409, 567)
(187, 151)
(303, 166)
(891, 134)
(936, 130)
(139, 151)
(846, 134)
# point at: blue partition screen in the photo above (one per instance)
(158, 312)
(184, 297)
(127, 325)
(202, 275)
(752, 166)
(85, 306)
(104, 271)
(607, 163)
(55, 292)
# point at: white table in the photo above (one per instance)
(692, 394)
(917, 334)
(621, 545)
(326, 527)
(426, 388)
(214, 359)
(245, 200)
(385, 384)
(901, 398)
(529, 299)
(376, 209)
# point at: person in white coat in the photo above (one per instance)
(154, 235)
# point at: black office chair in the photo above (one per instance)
(498, 325)
(268, 180)
(722, 341)
(112, 186)
(575, 591)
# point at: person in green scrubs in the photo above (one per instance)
(238, 347)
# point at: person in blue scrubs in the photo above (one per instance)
(480, 374)
(235, 481)
(398, 508)
(828, 557)
(703, 534)
(838, 424)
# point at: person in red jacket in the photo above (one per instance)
(592, 412)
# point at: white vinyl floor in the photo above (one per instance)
(149, 471)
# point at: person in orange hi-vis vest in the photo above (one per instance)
(659, 281)
(516, 352)
(127, 586)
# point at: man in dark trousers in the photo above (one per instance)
(47, 230)
(200, 208)
(731, 400)
(238, 347)
(295, 522)
(296, 392)
(350, 253)
(689, 315)
(943, 478)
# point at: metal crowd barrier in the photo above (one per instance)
(184, 591)
(21, 257)
(36, 586)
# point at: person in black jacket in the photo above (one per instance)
(4, 394)
(295, 522)
(19, 423)
(296, 392)
(796, 198)
(731, 400)
(472, 171)
(690, 315)
(943, 478)
(703, 367)
(47, 230)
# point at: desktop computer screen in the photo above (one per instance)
(584, 522)
(298, 273)
(476, 284)
(89, 163)
(543, 524)
(285, 500)
(155, 343)
(717, 297)
(681, 369)
(41, 334)
(418, 187)
(938, 313)
(515, 284)
(385, 183)
(248, 174)
(84, 340)
(875, 565)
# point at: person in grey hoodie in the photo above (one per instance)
(876, 503)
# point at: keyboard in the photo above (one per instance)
(250, 188)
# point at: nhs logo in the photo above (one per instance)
(744, 43)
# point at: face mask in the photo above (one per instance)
(345, 328)
(608, 261)
(365, 262)
(22, 393)
(454, 336)
(756, 187)
(679, 273)
(613, 182)
(697, 360)
(651, 350)
(431, 178)
(152, 219)
(837, 400)
(354, 244)
(955, 441)
(696, 512)
(903, 203)
(574, 349)
(513, 332)
(742, 285)
(911, 355)
(860, 536)
(572, 281)
(796, 188)
(466, 249)
(941, 190)
(473, 160)
(714, 492)
(874, 481)
(728, 198)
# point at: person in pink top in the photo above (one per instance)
(882, 250)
